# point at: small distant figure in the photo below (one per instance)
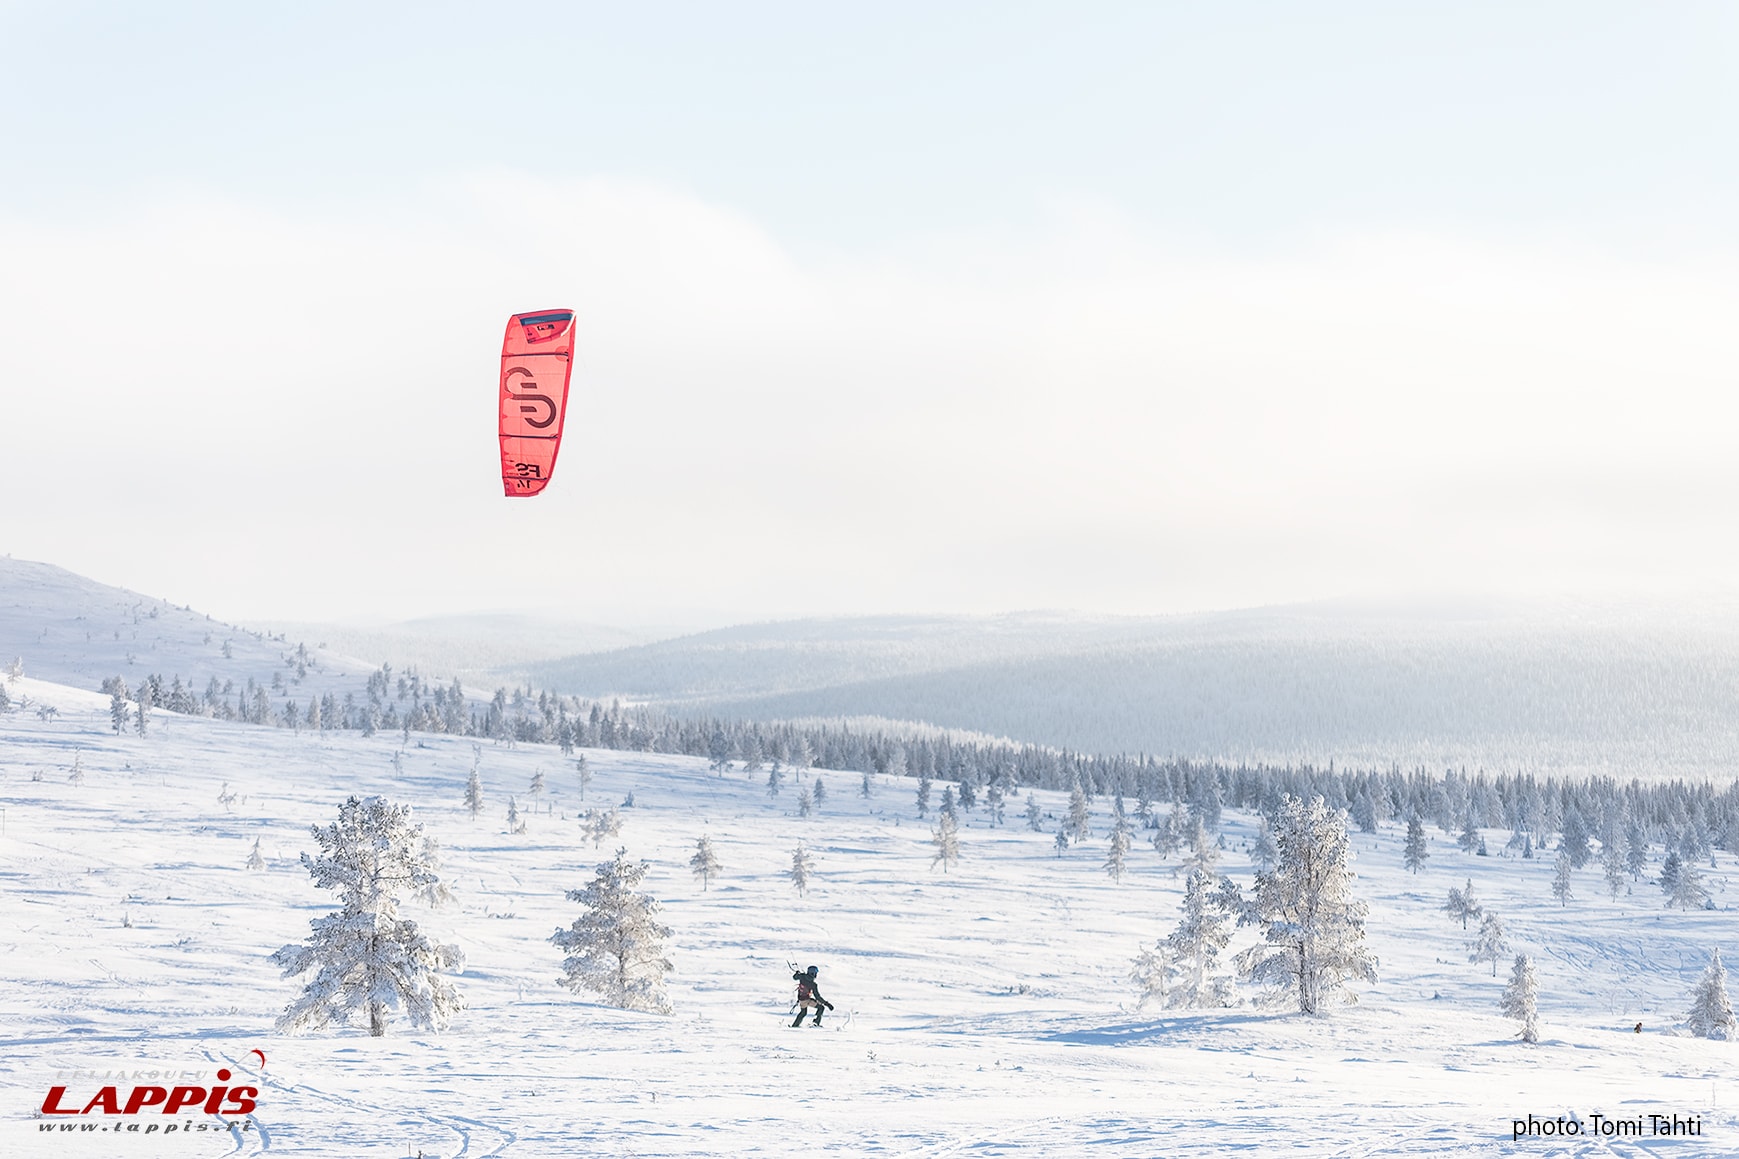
(1639, 1028)
(809, 995)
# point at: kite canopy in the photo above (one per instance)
(537, 358)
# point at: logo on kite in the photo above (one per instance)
(536, 363)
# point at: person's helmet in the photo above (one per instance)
(814, 970)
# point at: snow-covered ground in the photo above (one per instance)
(985, 1011)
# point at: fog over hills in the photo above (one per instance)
(1565, 688)
(1584, 688)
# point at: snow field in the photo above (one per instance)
(985, 1011)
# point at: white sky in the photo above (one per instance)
(1118, 308)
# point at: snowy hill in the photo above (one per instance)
(983, 1010)
(1571, 689)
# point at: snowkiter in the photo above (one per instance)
(809, 994)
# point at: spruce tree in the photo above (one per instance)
(1561, 877)
(1116, 857)
(820, 792)
(1684, 887)
(256, 861)
(119, 713)
(923, 797)
(1521, 998)
(369, 960)
(1209, 904)
(1711, 1013)
(583, 770)
(1152, 976)
(616, 947)
(474, 788)
(1612, 865)
(1414, 854)
(805, 802)
(1080, 819)
(802, 869)
(1034, 817)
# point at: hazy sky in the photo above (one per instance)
(1140, 307)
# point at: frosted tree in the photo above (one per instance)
(705, 863)
(802, 869)
(583, 770)
(994, 801)
(368, 960)
(719, 752)
(1167, 835)
(948, 807)
(76, 774)
(515, 822)
(1080, 819)
(1521, 998)
(1685, 890)
(1561, 877)
(1061, 842)
(598, 824)
(119, 714)
(1117, 856)
(820, 792)
(474, 790)
(1034, 817)
(15, 671)
(1463, 905)
(946, 838)
(1612, 865)
(538, 784)
(256, 860)
(144, 700)
(1470, 840)
(923, 797)
(1635, 847)
(1263, 852)
(1414, 853)
(775, 778)
(1711, 1013)
(805, 802)
(867, 786)
(1202, 854)
(1573, 841)
(1209, 904)
(1489, 945)
(615, 947)
(1152, 976)
(1313, 929)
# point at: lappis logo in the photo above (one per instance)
(219, 1099)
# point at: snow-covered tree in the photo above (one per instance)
(705, 863)
(802, 869)
(1061, 842)
(474, 792)
(1034, 816)
(538, 784)
(256, 860)
(1711, 1013)
(1521, 998)
(145, 699)
(616, 947)
(598, 824)
(1470, 840)
(1463, 905)
(994, 801)
(805, 802)
(368, 959)
(1612, 865)
(1152, 976)
(1685, 890)
(1263, 852)
(946, 838)
(867, 787)
(1573, 842)
(1080, 819)
(1202, 854)
(515, 823)
(119, 714)
(1413, 855)
(820, 792)
(923, 797)
(583, 770)
(1313, 929)
(1117, 856)
(775, 778)
(947, 807)
(1489, 945)
(1561, 877)
(1210, 903)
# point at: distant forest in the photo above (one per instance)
(1692, 818)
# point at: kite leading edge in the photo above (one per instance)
(537, 359)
